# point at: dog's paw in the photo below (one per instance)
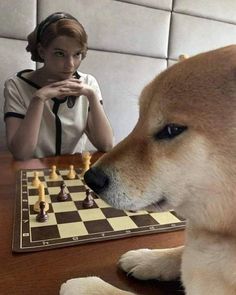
(90, 286)
(146, 264)
(82, 286)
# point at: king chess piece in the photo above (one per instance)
(86, 157)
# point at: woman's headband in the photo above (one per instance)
(50, 20)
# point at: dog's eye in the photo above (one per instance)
(170, 131)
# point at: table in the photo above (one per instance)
(42, 273)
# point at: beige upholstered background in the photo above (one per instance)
(130, 42)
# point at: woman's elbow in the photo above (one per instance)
(19, 154)
(105, 147)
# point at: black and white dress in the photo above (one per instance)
(63, 125)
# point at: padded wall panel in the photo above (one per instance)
(162, 4)
(215, 9)
(129, 39)
(15, 60)
(171, 62)
(121, 78)
(17, 18)
(191, 35)
(117, 26)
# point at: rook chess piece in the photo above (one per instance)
(63, 195)
(42, 215)
(88, 201)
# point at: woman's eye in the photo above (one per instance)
(170, 131)
(59, 53)
(78, 55)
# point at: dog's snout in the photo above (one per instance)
(96, 179)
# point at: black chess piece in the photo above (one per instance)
(63, 195)
(42, 215)
(88, 201)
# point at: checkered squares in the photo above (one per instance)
(69, 223)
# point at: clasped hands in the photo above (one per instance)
(61, 89)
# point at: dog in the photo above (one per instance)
(181, 155)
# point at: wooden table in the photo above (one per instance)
(42, 273)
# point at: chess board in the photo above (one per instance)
(69, 223)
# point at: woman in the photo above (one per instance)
(48, 111)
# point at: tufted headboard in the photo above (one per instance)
(130, 42)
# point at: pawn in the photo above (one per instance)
(53, 175)
(36, 181)
(71, 174)
(63, 195)
(183, 57)
(42, 215)
(88, 201)
(41, 199)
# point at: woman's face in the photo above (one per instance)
(61, 58)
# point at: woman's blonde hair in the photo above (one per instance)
(56, 24)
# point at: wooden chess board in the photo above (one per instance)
(69, 223)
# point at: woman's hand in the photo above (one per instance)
(61, 89)
(75, 87)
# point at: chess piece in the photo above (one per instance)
(88, 201)
(72, 173)
(36, 180)
(42, 215)
(86, 156)
(183, 57)
(41, 199)
(63, 195)
(53, 175)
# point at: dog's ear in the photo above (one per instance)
(183, 57)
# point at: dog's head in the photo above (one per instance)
(182, 153)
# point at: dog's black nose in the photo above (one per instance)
(96, 179)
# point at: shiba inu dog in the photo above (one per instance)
(181, 155)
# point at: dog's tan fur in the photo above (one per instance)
(195, 173)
